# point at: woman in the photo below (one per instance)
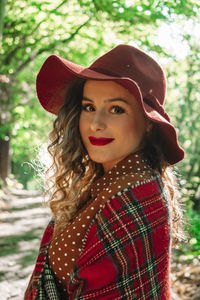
(113, 195)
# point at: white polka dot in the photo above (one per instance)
(74, 227)
(59, 249)
(60, 269)
(56, 243)
(73, 243)
(53, 252)
(123, 167)
(63, 278)
(65, 245)
(119, 186)
(65, 254)
(68, 274)
(92, 208)
(66, 264)
(62, 234)
(63, 239)
(117, 172)
(51, 246)
(58, 258)
(129, 183)
(53, 262)
(73, 250)
(83, 225)
(129, 160)
(73, 259)
(79, 249)
(88, 217)
(98, 183)
(69, 236)
(78, 233)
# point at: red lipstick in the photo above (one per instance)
(99, 141)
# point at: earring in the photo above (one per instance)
(149, 127)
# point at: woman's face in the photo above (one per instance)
(111, 123)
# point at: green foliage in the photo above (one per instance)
(191, 249)
(184, 107)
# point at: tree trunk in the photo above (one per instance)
(2, 14)
(5, 159)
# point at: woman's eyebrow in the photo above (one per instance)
(109, 100)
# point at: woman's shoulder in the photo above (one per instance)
(138, 195)
(48, 233)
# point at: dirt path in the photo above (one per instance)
(21, 227)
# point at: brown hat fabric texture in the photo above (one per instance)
(126, 65)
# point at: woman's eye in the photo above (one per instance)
(117, 110)
(87, 107)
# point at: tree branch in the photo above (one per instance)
(50, 47)
(10, 55)
(2, 15)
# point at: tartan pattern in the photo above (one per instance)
(130, 248)
(126, 253)
(35, 281)
(47, 288)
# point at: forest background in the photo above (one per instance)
(81, 30)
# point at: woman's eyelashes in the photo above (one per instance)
(88, 107)
(116, 109)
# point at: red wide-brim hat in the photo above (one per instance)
(126, 65)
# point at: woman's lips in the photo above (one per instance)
(99, 141)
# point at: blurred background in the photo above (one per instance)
(81, 30)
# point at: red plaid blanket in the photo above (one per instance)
(126, 252)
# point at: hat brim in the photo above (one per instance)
(57, 73)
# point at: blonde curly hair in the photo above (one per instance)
(72, 171)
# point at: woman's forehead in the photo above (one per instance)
(105, 89)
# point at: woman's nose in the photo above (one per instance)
(98, 121)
